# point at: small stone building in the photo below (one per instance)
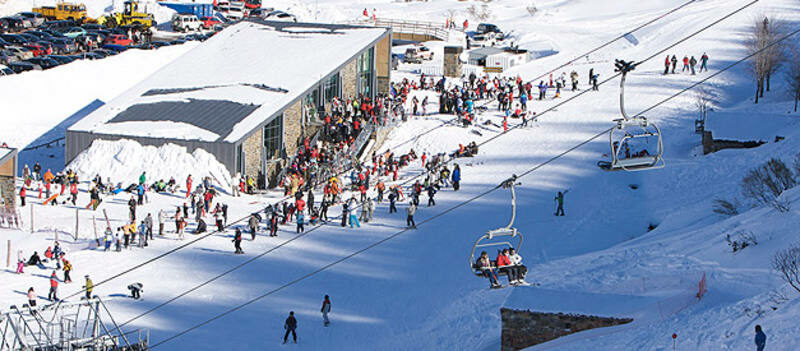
(8, 171)
(247, 95)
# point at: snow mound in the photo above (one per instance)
(124, 160)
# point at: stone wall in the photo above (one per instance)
(292, 127)
(8, 190)
(349, 77)
(522, 329)
(383, 62)
(253, 148)
(452, 61)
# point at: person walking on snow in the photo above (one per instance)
(703, 62)
(253, 224)
(692, 63)
(353, 216)
(685, 64)
(326, 308)
(291, 326)
(674, 61)
(53, 287)
(412, 209)
(237, 242)
(456, 177)
(666, 65)
(88, 286)
(560, 201)
(760, 339)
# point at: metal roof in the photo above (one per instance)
(485, 51)
(217, 116)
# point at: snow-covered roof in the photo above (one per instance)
(742, 126)
(6, 154)
(233, 82)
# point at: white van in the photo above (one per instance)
(184, 22)
(233, 10)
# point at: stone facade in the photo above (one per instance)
(8, 190)
(253, 148)
(383, 62)
(349, 77)
(293, 127)
(522, 329)
(452, 61)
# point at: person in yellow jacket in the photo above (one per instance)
(88, 286)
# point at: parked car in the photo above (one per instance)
(53, 32)
(29, 37)
(6, 56)
(37, 49)
(488, 31)
(185, 22)
(59, 26)
(26, 23)
(102, 53)
(74, 32)
(158, 44)
(62, 59)
(40, 34)
(177, 42)
(12, 23)
(114, 48)
(395, 61)
(417, 54)
(14, 39)
(118, 39)
(4, 43)
(44, 62)
(280, 16)
(37, 19)
(210, 22)
(92, 26)
(5, 71)
(23, 66)
(64, 45)
(19, 52)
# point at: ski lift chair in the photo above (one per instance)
(636, 129)
(502, 237)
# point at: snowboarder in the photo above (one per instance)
(326, 308)
(560, 202)
(136, 290)
(237, 242)
(761, 338)
(291, 326)
(88, 286)
(412, 209)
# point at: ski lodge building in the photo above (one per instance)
(247, 95)
(8, 172)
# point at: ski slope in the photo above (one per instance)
(416, 291)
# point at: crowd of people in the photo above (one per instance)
(689, 64)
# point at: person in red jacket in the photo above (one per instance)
(685, 64)
(53, 287)
(504, 265)
(22, 192)
(188, 186)
(73, 190)
(299, 205)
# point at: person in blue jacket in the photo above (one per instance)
(761, 339)
(456, 177)
(523, 101)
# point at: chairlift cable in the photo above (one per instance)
(458, 205)
(422, 173)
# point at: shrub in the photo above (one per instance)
(532, 9)
(725, 207)
(743, 239)
(765, 184)
(787, 263)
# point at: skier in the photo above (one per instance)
(412, 209)
(456, 177)
(88, 286)
(237, 242)
(504, 265)
(692, 63)
(521, 270)
(291, 326)
(560, 201)
(53, 287)
(703, 62)
(326, 308)
(761, 338)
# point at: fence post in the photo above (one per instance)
(8, 258)
(32, 217)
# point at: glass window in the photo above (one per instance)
(240, 158)
(330, 88)
(311, 105)
(273, 138)
(366, 63)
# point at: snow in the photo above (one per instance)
(124, 160)
(243, 45)
(45, 98)
(417, 291)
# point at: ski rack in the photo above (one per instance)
(67, 326)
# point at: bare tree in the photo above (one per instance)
(787, 263)
(793, 76)
(765, 184)
(768, 56)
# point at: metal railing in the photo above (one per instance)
(433, 29)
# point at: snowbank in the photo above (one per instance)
(124, 160)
